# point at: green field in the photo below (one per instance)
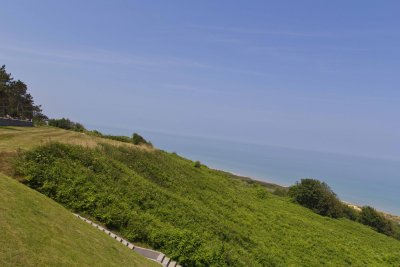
(198, 216)
(36, 231)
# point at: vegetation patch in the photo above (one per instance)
(136, 138)
(318, 197)
(66, 124)
(36, 231)
(199, 216)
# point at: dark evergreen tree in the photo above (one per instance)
(15, 101)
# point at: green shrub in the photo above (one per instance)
(350, 213)
(261, 192)
(39, 120)
(79, 127)
(369, 216)
(318, 197)
(67, 124)
(197, 164)
(136, 139)
(139, 140)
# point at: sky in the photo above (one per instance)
(317, 75)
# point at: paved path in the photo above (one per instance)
(148, 253)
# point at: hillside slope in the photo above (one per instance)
(198, 216)
(36, 231)
(14, 139)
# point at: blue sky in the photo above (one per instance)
(318, 75)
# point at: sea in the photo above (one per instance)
(355, 179)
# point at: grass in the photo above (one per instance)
(14, 139)
(36, 231)
(198, 216)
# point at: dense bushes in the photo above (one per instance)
(66, 124)
(139, 140)
(89, 182)
(198, 216)
(119, 138)
(136, 139)
(318, 197)
(369, 216)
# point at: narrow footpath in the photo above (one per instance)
(148, 253)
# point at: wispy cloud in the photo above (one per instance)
(93, 55)
(191, 89)
(254, 31)
(101, 56)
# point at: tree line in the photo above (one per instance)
(15, 101)
(67, 124)
(320, 198)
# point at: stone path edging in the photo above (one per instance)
(148, 253)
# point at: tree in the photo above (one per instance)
(15, 101)
(5, 80)
(317, 196)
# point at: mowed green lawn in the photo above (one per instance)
(36, 231)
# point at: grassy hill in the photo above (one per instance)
(196, 215)
(36, 231)
(15, 139)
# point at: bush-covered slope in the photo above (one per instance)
(197, 215)
(36, 231)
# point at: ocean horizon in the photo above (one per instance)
(355, 179)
